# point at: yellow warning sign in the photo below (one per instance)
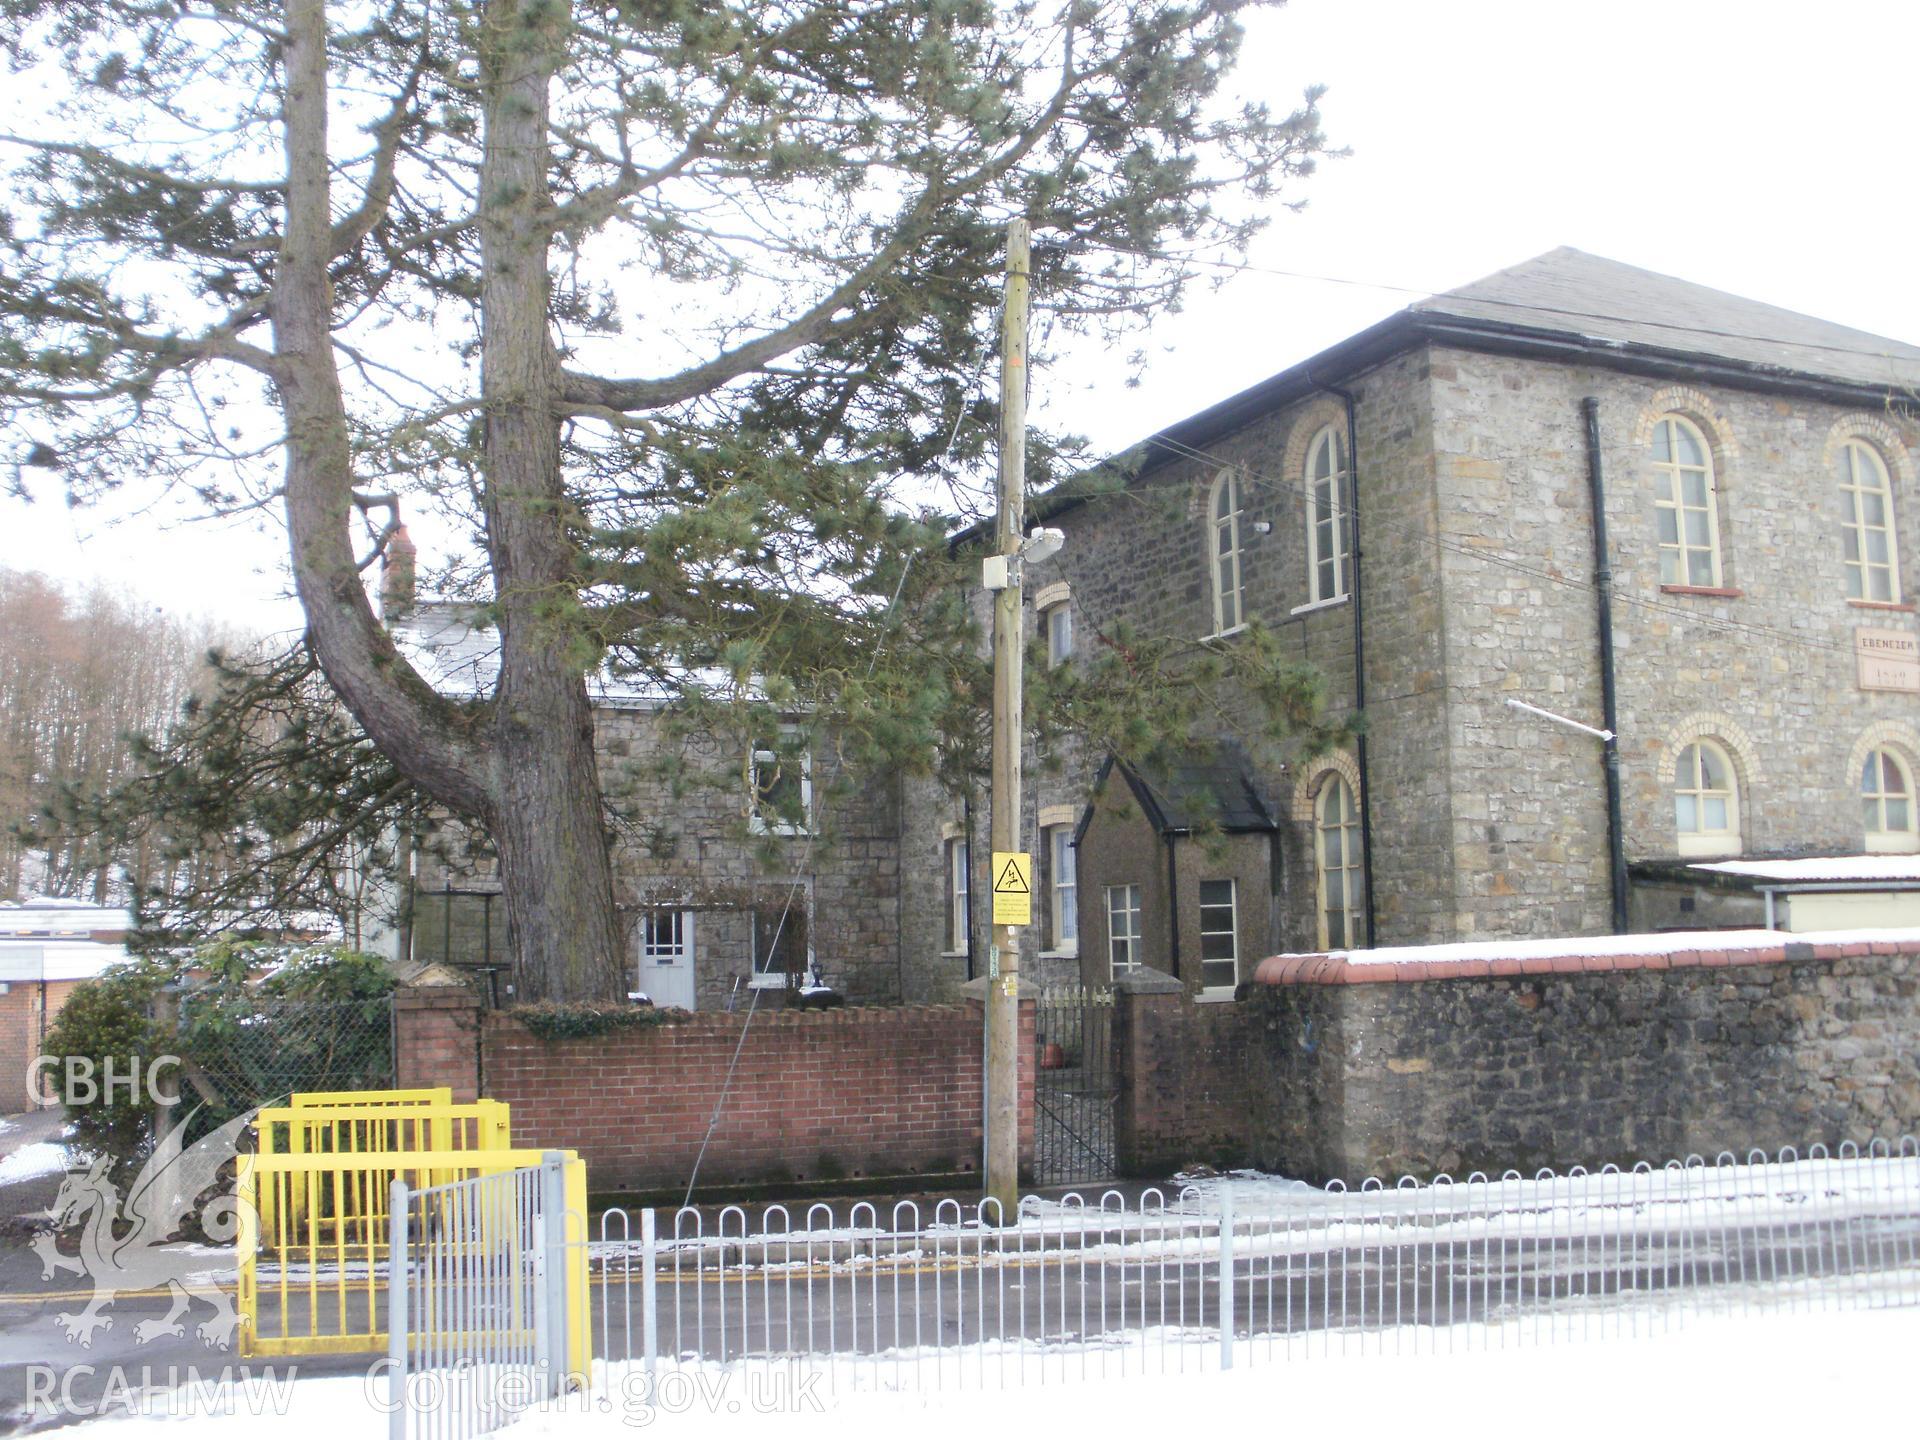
(1012, 887)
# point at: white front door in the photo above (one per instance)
(666, 958)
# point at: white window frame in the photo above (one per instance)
(1690, 780)
(1873, 796)
(652, 949)
(1351, 871)
(1860, 570)
(1062, 900)
(1229, 604)
(1127, 937)
(1232, 932)
(1058, 618)
(1669, 493)
(761, 824)
(1329, 530)
(958, 885)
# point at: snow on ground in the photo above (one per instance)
(1766, 1373)
(31, 1161)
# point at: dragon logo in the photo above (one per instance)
(123, 1241)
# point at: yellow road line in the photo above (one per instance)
(667, 1276)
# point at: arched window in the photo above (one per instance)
(1336, 865)
(1866, 498)
(1706, 801)
(1223, 538)
(1686, 507)
(1886, 803)
(1326, 517)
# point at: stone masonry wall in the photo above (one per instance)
(1764, 665)
(1138, 558)
(1503, 1064)
(693, 848)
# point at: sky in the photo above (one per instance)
(1757, 147)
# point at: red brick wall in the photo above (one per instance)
(1184, 1091)
(21, 1026)
(437, 1040)
(830, 1095)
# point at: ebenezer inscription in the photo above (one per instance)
(1889, 660)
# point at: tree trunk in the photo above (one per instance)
(530, 776)
(555, 870)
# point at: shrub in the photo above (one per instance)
(254, 1022)
(557, 1020)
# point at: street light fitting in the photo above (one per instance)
(1042, 545)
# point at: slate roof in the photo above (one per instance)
(1211, 787)
(1568, 305)
(1590, 298)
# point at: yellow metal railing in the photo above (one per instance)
(327, 1290)
(414, 1121)
(426, 1095)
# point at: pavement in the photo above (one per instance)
(38, 1362)
(720, 1300)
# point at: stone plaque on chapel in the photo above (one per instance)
(1889, 660)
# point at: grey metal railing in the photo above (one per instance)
(1228, 1271)
(477, 1328)
(1235, 1270)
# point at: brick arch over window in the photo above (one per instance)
(1883, 735)
(1307, 788)
(1724, 731)
(1862, 425)
(1700, 409)
(1305, 425)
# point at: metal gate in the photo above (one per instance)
(1074, 1089)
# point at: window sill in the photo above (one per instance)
(1072, 954)
(953, 954)
(1892, 844)
(767, 982)
(1715, 592)
(1226, 634)
(1901, 607)
(1313, 605)
(1709, 848)
(1213, 997)
(778, 832)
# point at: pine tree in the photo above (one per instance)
(666, 300)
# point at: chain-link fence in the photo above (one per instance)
(250, 1050)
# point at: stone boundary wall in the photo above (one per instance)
(1346, 1070)
(851, 1095)
(1339, 969)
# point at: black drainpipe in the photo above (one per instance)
(1359, 648)
(966, 820)
(1609, 706)
(1173, 905)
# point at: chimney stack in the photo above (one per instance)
(396, 577)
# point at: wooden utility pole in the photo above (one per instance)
(1009, 639)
